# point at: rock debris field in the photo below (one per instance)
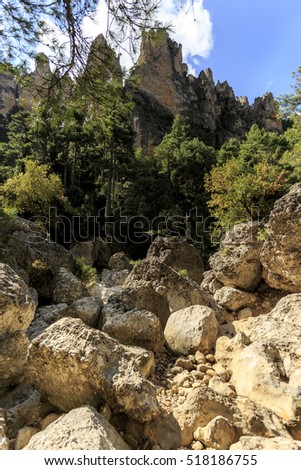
(162, 355)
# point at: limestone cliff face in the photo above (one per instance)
(163, 75)
(163, 89)
(8, 93)
(213, 109)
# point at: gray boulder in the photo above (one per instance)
(191, 329)
(68, 288)
(179, 255)
(237, 263)
(72, 364)
(281, 252)
(81, 429)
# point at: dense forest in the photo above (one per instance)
(73, 149)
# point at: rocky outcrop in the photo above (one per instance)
(17, 304)
(191, 329)
(39, 257)
(218, 434)
(165, 89)
(179, 255)
(17, 308)
(68, 288)
(81, 429)
(237, 263)
(266, 113)
(94, 253)
(119, 261)
(265, 358)
(134, 327)
(114, 277)
(73, 365)
(88, 309)
(234, 299)
(44, 317)
(178, 290)
(281, 252)
(265, 443)
(9, 93)
(142, 297)
(214, 111)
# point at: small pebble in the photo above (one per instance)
(206, 379)
(185, 363)
(199, 357)
(210, 358)
(197, 446)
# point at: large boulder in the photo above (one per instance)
(13, 353)
(210, 284)
(199, 408)
(175, 287)
(264, 443)
(179, 255)
(281, 252)
(17, 308)
(218, 434)
(259, 374)
(40, 258)
(24, 407)
(191, 329)
(113, 277)
(17, 303)
(265, 357)
(44, 317)
(68, 288)
(81, 429)
(72, 364)
(93, 253)
(202, 405)
(120, 261)
(134, 327)
(143, 297)
(234, 299)
(237, 263)
(88, 309)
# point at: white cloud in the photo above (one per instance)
(192, 26)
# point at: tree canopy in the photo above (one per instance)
(26, 23)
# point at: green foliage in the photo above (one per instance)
(84, 272)
(8, 226)
(228, 150)
(39, 264)
(28, 22)
(33, 191)
(135, 262)
(184, 161)
(290, 102)
(262, 234)
(183, 272)
(246, 187)
(291, 158)
(145, 192)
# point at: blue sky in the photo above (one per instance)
(256, 44)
